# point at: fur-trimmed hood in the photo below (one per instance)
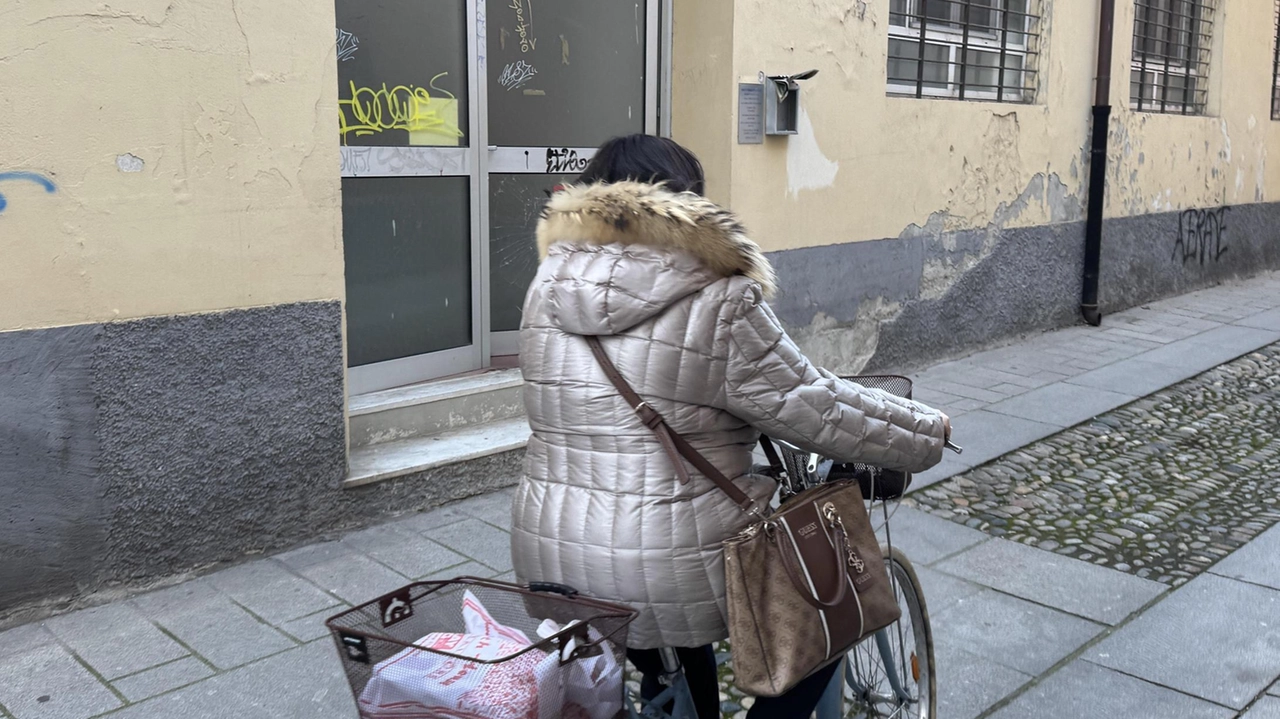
(634, 213)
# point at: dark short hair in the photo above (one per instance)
(646, 158)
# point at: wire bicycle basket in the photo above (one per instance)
(480, 648)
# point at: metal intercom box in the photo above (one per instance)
(782, 103)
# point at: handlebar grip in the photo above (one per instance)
(553, 588)
(954, 447)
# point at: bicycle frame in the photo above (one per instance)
(677, 692)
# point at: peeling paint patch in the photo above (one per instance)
(807, 167)
(129, 162)
(845, 348)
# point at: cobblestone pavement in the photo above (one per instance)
(1161, 488)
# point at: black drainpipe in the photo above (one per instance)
(1098, 166)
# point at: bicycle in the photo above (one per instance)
(890, 675)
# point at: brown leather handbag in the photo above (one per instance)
(804, 584)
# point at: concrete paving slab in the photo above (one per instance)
(951, 465)
(1269, 320)
(46, 682)
(1134, 377)
(1267, 708)
(986, 435)
(1093, 592)
(1241, 339)
(161, 679)
(25, 638)
(404, 550)
(969, 684)
(1062, 405)
(434, 518)
(211, 624)
(494, 508)
(271, 591)
(469, 569)
(931, 397)
(1255, 562)
(311, 628)
(926, 538)
(1274, 690)
(1213, 638)
(304, 683)
(354, 578)
(115, 639)
(1011, 632)
(313, 554)
(1212, 348)
(943, 591)
(1152, 337)
(964, 390)
(478, 540)
(1082, 689)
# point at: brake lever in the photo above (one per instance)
(954, 447)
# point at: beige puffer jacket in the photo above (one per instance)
(676, 289)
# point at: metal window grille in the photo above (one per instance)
(1275, 70)
(1172, 41)
(964, 49)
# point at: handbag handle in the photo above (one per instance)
(841, 550)
(672, 443)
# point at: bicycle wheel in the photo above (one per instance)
(892, 674)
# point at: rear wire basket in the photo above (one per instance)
(371, 633)
(876, 483)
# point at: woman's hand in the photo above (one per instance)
(946, 428)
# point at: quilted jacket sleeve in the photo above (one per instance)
(774, 387)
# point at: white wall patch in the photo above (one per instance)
(807, 167)
(129, 162)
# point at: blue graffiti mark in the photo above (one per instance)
(39, 179)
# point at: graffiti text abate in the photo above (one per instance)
(1201, 235)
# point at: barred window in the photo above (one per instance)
(963, 49)
(1275, 70)
(1172, 40)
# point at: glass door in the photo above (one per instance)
(562, 76)
(456, 118)
(407, 122)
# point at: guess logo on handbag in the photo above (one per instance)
(856, 562)
(807, 530)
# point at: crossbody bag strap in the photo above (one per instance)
(771, 456)
(674, 445)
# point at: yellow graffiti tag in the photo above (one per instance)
(428, 120)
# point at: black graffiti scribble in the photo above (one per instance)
(565, 160)
(1202, 234)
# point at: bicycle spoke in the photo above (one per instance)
(869, 691)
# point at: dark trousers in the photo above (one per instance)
(700, 671)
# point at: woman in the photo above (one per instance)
(676, 290)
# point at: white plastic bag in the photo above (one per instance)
(417, 684)
(592, 685)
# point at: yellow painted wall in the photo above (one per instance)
(866, 165)
(702, 61)
(228, 104)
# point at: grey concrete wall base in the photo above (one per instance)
(135, 451)
(929, 295)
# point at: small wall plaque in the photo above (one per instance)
(750, 113)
